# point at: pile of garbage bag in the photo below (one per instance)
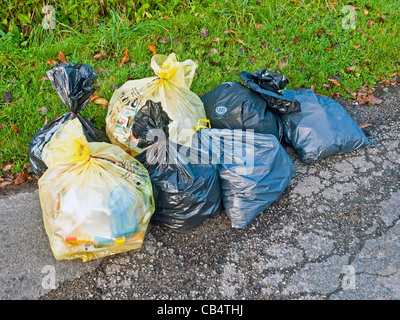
(170, 157)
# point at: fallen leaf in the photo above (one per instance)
(7, 167)
(214, 51)
(5, 183)
(215, 63)
(100, 55)
(231, 31)
(52, 62)
(164, 40)
(101, 101)
(100, 71)
(352, 68)
(152, 48)
(15, 128)
(124, 59)
(218, 39)
(21, 178)
(239, 40)
(366, 12)
(375, 100)
(42, 111)
(44, 78)
(357, 46)
(370, 22)
(204, 33)
(133, 65)
(259, 26)
(296, 39)
(252, 59)
(335, 82)
(282, 64)
(364, 125)
(7, 97)
(94, 97)
(265, 44)
(61, 56)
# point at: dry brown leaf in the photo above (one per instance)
(61, 56)
(5, 184)
(21, 178)
(204, 33)
(152, 48)
(259, 26)
(101, 101)
(239, 40)
(252, 59)
(218, 39)
(52, 62)
(232, 31)
(335, 82)
(214, 51)
(364, 125)
(366, 12)
(282, 64)
(164, 40)
(15, 128)
(125, 58)
(100, 55)
(352, 68)
(94, 97)
(44, 78)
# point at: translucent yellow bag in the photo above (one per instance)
(96, 199)
(171, 87)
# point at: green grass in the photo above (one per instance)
(307, 35)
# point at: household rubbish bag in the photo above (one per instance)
(96, 199)
(231, 105)
(73, 83)
(171, 88)
(316, 126)
(253, 168)
(322, 128)
(186, 191)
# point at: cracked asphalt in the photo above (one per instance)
(333, 235)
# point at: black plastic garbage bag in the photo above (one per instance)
(254, 170)
(73, 83)
(269, 84)
(231, 105)
(186, 191)
(322, 128)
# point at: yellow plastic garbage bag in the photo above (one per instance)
(96, 199)
(170, 87)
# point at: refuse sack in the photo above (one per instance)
(186, 191)
(316, 126)
(96, 199)
(231, 105)
(269, 84)
(253, 168)
(170, 87)
(73, 83)
(322, 128)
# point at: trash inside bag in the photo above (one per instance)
(254, 170)
(232, 105)
(186, 191)
(170, 87)
(269, 84)
(322, 128)
(96, 199)
(73, 83)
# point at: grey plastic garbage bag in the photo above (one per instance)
(254, 170)
(73, 83)
(232, 105)
(322, 128)
(186, 191)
